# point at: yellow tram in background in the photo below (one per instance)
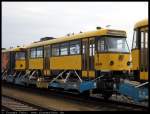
(138, 88)
(140, 51)
(13, 63)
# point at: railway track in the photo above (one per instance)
(121, 105)
(13, 104)
(100, 104)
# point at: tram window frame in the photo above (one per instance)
(34, 50)
(55, 46)
(62, 45)
(72, 44)
(41, 49)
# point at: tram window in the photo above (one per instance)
(83, 49)
(93, 49)
(146, 39)
(46, 51)
(20, 55)
(134, 45)
(55, 50)
(120, 44)
(49, 51)
(101, 46)
(142, 39)
(90, 49)
(40, 52)
(64, 49)
(33, 53)
(74, 47)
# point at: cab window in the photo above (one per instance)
(112, 44)
(20, 55)
(101, 45)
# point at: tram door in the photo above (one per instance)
(144, 59)
(11, 62)
(46, 61)
(88, 52)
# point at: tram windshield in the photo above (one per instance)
(112, 44)
(20, 55)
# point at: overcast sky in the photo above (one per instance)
(25, 22)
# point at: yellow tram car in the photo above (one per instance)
(100, 50)
(84, 56)
(14, 63)
(137, 88)
(140, 51)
